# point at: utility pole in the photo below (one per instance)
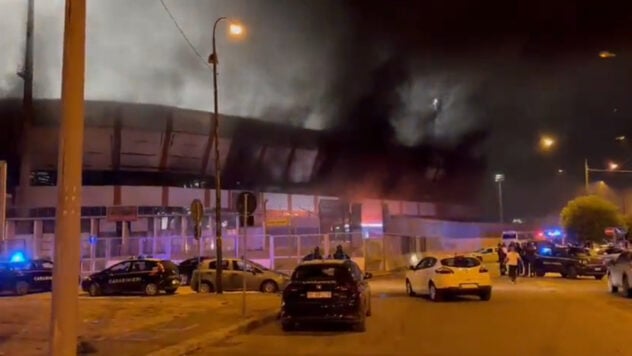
(586, 178)
(64, 311)
(499, 179)
(27, 112)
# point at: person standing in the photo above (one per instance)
(512, 260)
(502, 255)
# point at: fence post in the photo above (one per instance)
(298, 248)
(271, 247)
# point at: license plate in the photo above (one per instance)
(318, 295)
(469, 285)
(598, 269)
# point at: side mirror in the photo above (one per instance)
(368, 275)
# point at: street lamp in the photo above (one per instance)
(613, 166)
(499, 178)
(546, 142)
(235, 29)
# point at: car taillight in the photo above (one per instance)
(483, 269)
(444, 270)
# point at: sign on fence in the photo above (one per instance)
(278, 222)
(122, 213)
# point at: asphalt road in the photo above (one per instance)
(543, 316)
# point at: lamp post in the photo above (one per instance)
(237, 30)
(612, 168)
(499, 178)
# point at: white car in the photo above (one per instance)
(620, 274)
(440, 276)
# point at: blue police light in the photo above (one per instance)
(92, 240)
(17, 257)
(554, 233)
(546, 251)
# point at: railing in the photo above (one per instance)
(280, 252)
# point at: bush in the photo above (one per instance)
(586, 218)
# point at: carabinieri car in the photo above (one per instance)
(143, 275)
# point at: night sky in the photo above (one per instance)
(419, 73)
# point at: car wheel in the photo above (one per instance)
(599, 277)
(269, 287)
(151, 289)
(205, 287)
(611, 287)
(94, 290)
(409, 289)
(435, 294)
(486, 296)
(171, 291)
(288, 326)
(22, 288)
(359, 327)
(626, 287)
(571, 272)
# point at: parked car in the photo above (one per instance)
(569, 262)
(334, 291)
(487, 254)
(187, 267)
(234, 271)
(28, 276)
(441, 276)
(620, 274)
(144, 275)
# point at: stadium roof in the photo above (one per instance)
(142, 137)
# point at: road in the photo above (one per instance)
(543, 316)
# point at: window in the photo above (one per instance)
(140, 266)
(461, 262)
(238, 265)
(325, 272)
(426, 263)
(120, 268)
(356, 272)
(213, 264)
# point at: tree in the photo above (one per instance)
(585, 218)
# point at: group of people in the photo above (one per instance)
(339, 254)
(516, 260)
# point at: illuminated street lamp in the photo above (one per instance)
(546, 142)
(606, 54)
(235, 29)
(620, 138)
(613, 166)
(499, 178)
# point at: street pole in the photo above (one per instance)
(586, 178)
(64, 310)
(27, 109)
(500, 201)
(3, 205)
(244, 249)
(218, 186)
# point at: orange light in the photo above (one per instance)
(607, 54)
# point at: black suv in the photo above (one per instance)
(28, 276)
(146, 275)
(570, 262)
(327, 291)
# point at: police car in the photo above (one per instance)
(26, 276)
(136, 275)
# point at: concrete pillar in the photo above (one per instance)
(271, 251)
(38, 235)
(184, 224)
(326, 244)
(94, 227)
(155, 233)
(124, 239)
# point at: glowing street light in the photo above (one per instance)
(546, 142)
(613, 166)
(607, 54)
(620, 138)
(560, 171)
(236, 29)
(499, 178)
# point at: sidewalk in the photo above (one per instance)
(124, 326)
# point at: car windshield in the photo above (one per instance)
(460, 262)
(322, 272)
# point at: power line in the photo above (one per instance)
(184, 36)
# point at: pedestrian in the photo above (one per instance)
(314, 255)
(513, 260)
(340, 254)
(502, 255)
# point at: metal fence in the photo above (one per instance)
(281, 252)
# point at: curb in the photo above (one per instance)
(205, 339)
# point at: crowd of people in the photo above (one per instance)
(517, 260)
